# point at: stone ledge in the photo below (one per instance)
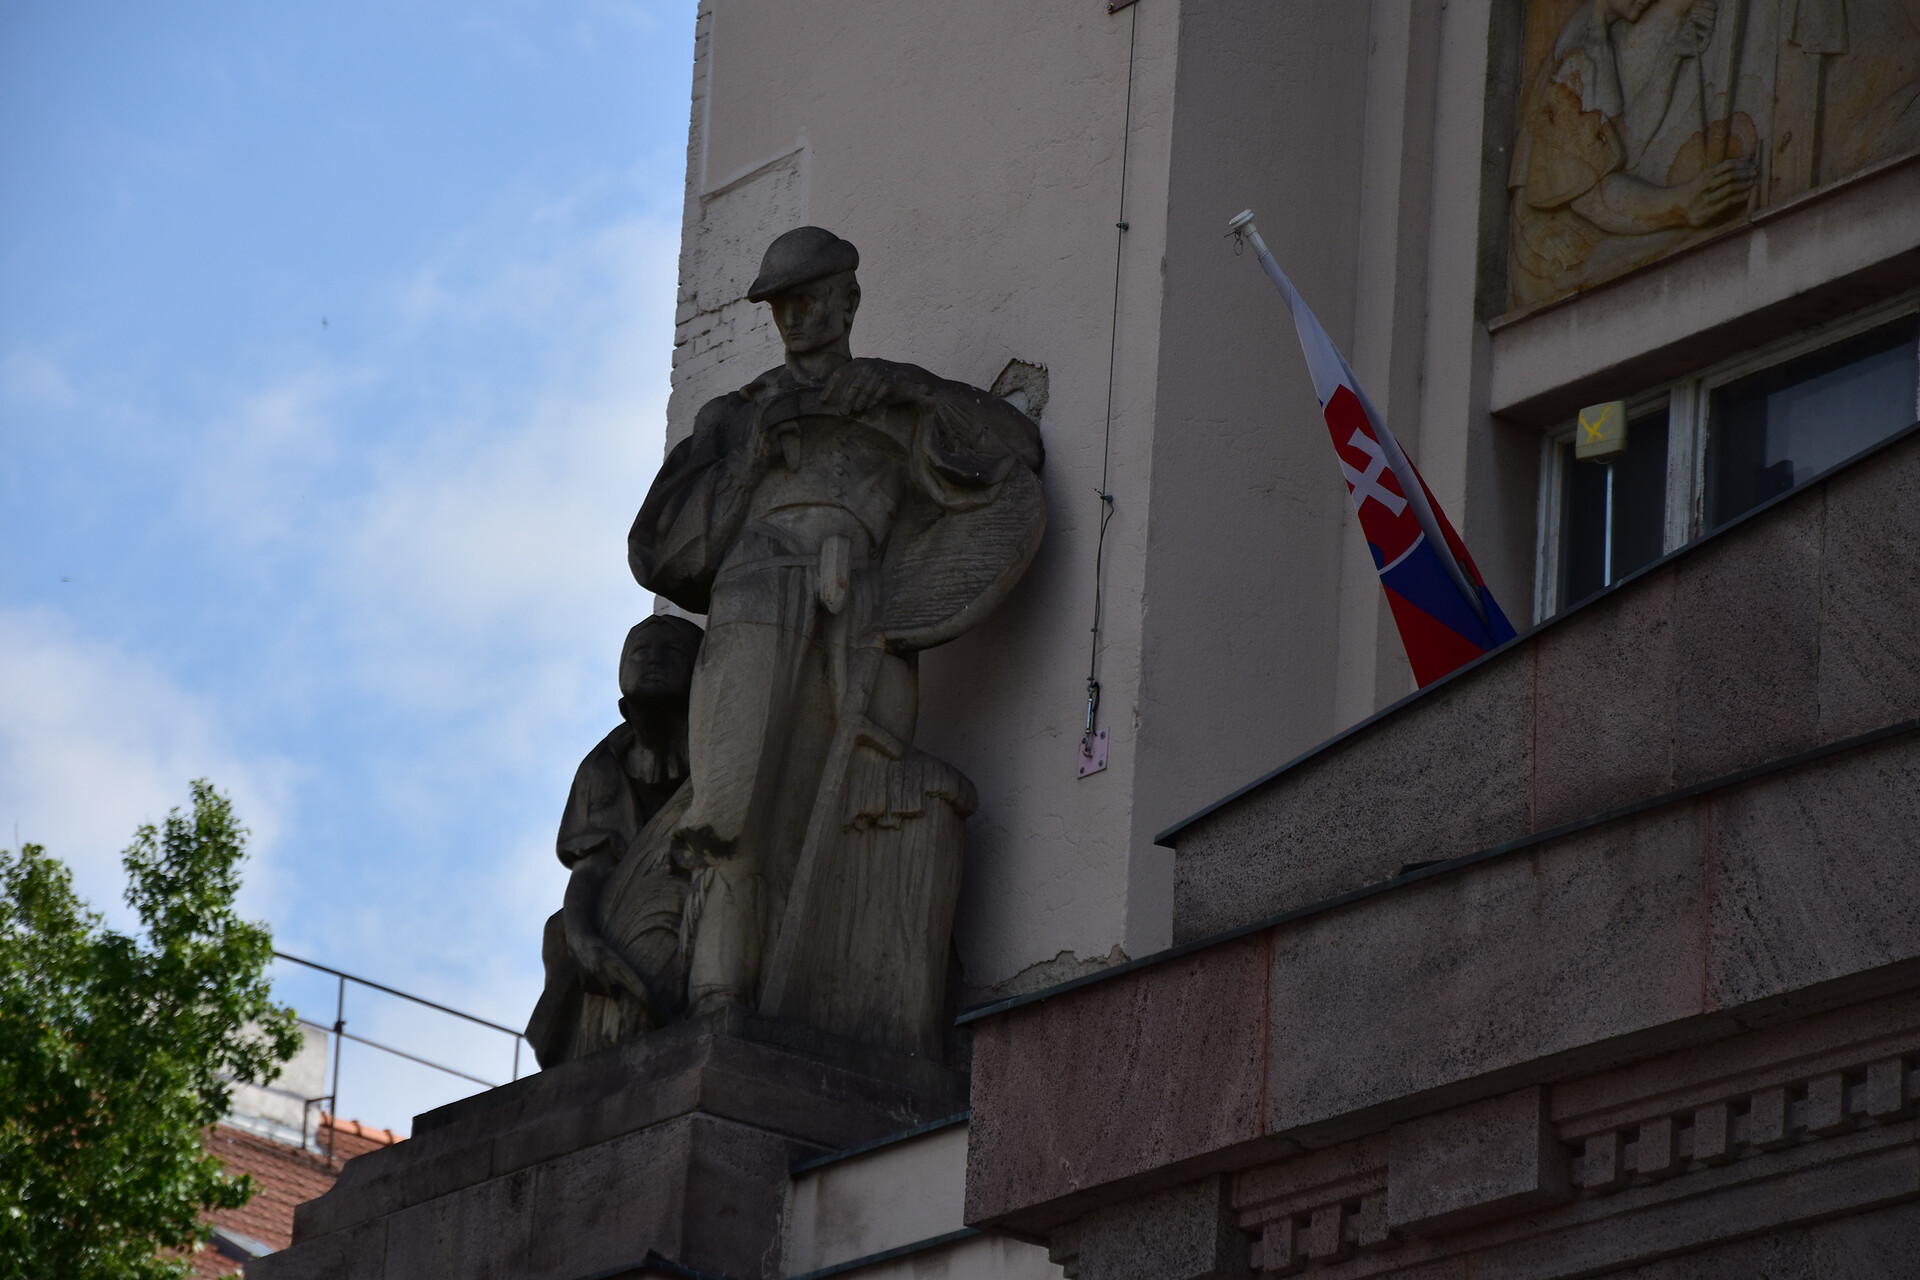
(1609, 945)
(1722, 1121)
(1824, 256)
(1859, 1175)
(1482, 1162)
(703, 1191)
(1786, 630)
(732, 1068)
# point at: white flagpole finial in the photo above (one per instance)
(1242, 225)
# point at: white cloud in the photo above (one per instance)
(252, 469)
(497, 533)
(96, 741)
(476, 577)
(34, 378)
(418, 549)
(381, 562)
(490, 503)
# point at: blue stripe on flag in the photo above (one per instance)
(1424, 582)
(1501, 630)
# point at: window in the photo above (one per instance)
(1773, 430)
(1615, 511)
(1705, 450)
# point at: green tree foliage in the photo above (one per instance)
(117, 1052)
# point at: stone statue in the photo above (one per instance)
(831, 518)
(613, 952)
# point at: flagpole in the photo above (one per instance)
(1242, 225)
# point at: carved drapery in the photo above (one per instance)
(1646, 126)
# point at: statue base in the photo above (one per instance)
(667, 1155)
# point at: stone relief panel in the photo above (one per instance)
(1646, 126)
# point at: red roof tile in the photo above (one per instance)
(286, 1176)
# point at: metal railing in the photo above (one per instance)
(340, 1033)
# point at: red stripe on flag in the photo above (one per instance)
(1433, 648)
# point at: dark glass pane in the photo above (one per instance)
(1583, 531)
(1639, 510)
(1640, 495)
(1785, 425)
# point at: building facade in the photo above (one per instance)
(1503, 211)
(1598, 957)
(976, 156)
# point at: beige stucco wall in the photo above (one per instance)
(1356, 134)
(1247, 552)
(893, 1198)
(973, 153)
(854, 1208)
(281, 1107)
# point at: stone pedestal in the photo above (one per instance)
(673, 1147)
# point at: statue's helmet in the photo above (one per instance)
(801, 256)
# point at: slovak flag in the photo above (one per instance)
(1446, 615)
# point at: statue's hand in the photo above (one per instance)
(859, 385)
(604, 971)
(608, 972)
(1717, 192)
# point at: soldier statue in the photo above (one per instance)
(831, 519)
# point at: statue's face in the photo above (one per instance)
(816, 315)
(657, 663)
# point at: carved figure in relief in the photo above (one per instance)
(1848, 88)
(1584, 209)
(831, 518)
(1649, 125)
(613, 951)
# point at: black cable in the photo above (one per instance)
(1106, 446)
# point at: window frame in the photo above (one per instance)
(1553, 476)
(1687, 401)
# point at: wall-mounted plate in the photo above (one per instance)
(1093, 752)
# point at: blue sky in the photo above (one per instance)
(334, 343)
